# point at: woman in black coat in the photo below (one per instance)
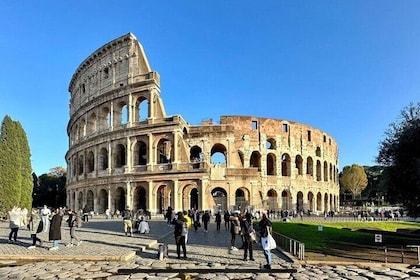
(55, 228)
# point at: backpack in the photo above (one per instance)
(184, 230)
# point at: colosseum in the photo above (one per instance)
(124, 150)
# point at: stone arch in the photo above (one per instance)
(92, 123)
(103, 159)
(102, 201)
(285, 200)
(271, 164)
(121, 114)
(164, 151)
(318, 171)
(163, 196)
(255, 160)
(140, 153)
(139, 198)
(82, 127)
(272, 199)
(318, 202)
(318, 151)
(120, 156)
(242, 198)
(299, 202)
(325, 171)
(309, 166)
(80, 164)
(220, 200)
(299, 164)
(90, 200)
(104, 118)
(195, 156)
(190, 197)
(325, 202)
(311, 204)
(80, 200)
(285, 165)
(271, 144)
(218, 154)
(141, 112)
(90, 162)
(120, 202)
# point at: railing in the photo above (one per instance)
(290, 245)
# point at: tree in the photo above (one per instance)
(353, 179)
(15, 167)
(50, 189)
(399, 153)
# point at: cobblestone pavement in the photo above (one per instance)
(106, 253)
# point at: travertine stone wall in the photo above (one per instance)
(125, 151)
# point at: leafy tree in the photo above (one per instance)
(15, 167)
(399, 153)
(353, 179)
(376, 188)
(50, 189)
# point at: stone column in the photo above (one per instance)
(176, 200)
(128, 196)
(110, 200)
(151, 198)
(151, 162)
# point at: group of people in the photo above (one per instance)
(240, 224)
(43, 220)
(139, 221)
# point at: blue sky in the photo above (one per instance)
(345, 67)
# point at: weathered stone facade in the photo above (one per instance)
(125, 150)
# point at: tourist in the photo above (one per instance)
(234, 229)
(143, 226)
(74, 221)
(206, 220)
(45, 216)
(265, 229)
(35, 226)
(15, 221)
(246, 229)
(196, 219)
(55, 228)
(168, 215)
(218, 219)
(86, 212)
(226, 217)
(180, 232)
(127, 220)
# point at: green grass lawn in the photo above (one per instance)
(334, 233)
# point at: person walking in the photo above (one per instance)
(246, 229)
(15, 221)
(74, 221)
(234, 229)
(206, 220)
(54, 233)
(226, 217)
(264, 230)
(180, 232)
(127, 220)
(35, 227)
(189, 223)
(196, 219)
(218, 219)
(45, 216)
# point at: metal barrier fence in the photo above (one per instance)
(290, 245)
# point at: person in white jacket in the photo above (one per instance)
(143, 226)
(15, 221)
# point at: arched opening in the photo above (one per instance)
(299, 164)
(103, 159)
(325, 171)
(255, 160)
(218, 154)
(91, 162)
(241, 199)
(310, 202)
(326, 202)
(195, 156)
(271, 164)
(270, 144)
(120, 156)
(164, 150)
(319, 202)
(89, 200)
(310, 166)
(285, 165)
(272, 200)
(140, 153)
(120, 200)
(102, 201)
(80, 201)
(81, 165)
(318, 171)
(194, 198)
(285, 200)
(299, 202)
(140, 199)
(92, 123)
(163, 198)
(142, 109)
(220, 199)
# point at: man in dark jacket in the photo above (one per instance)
(180, 232)
(265, 228)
